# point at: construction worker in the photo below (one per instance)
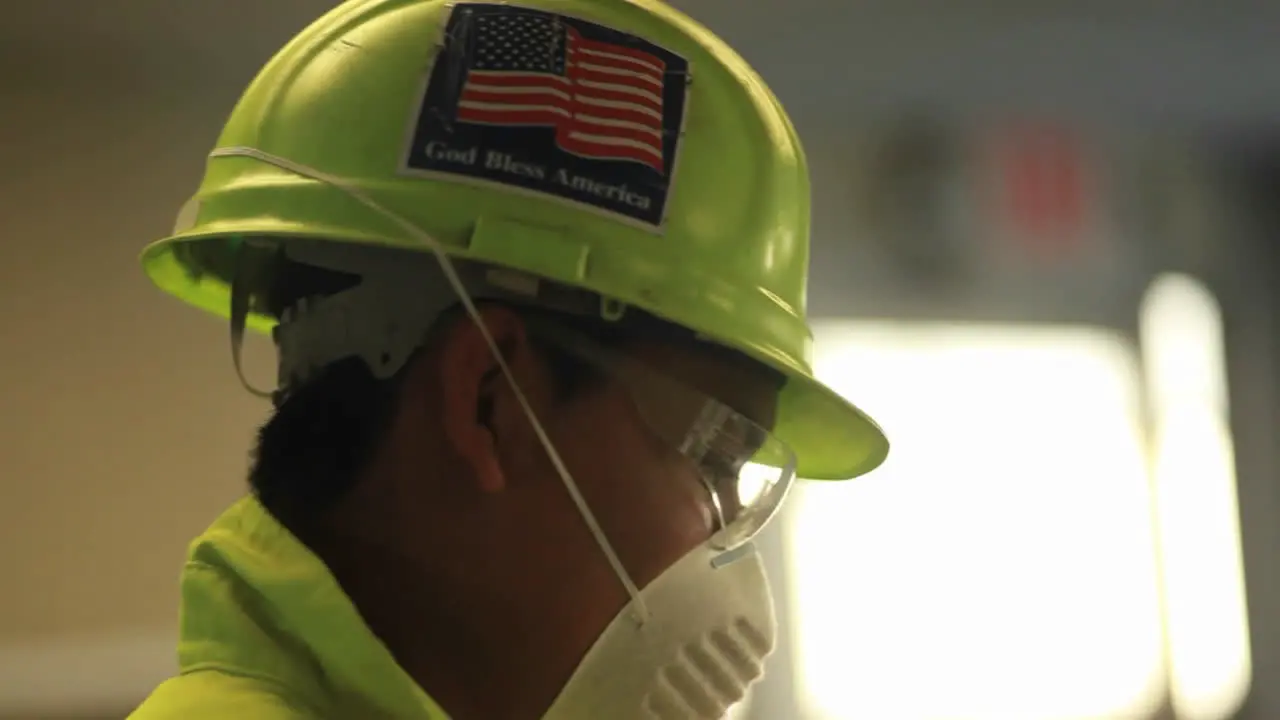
(536, 274)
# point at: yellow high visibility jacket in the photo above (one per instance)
(267, 634)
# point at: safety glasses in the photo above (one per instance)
(745, 470)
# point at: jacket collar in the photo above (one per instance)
(257, 602)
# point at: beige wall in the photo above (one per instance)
(123, 429)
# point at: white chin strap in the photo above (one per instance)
(327, 341)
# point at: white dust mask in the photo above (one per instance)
(708, 627)
(685, 647)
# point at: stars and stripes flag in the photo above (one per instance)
(604, 100)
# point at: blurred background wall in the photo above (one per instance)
(1043, 254)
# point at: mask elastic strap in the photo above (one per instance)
(446, 266)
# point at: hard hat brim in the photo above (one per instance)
(832, 438)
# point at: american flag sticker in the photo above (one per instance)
(554, 105)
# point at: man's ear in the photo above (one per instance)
(469, 377)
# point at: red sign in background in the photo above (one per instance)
(1043, 190)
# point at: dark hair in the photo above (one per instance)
(320, 439)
